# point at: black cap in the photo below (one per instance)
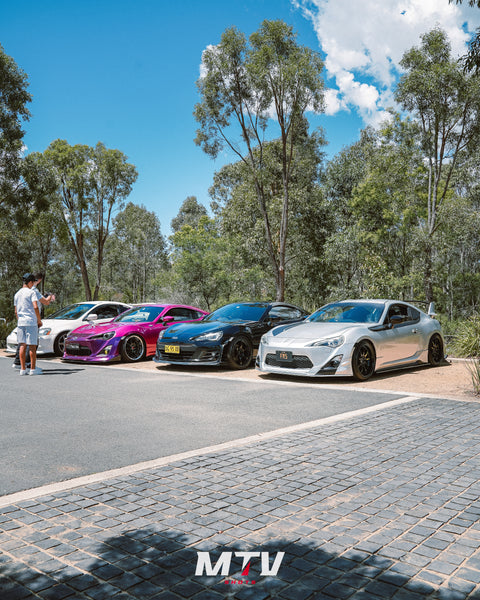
(28, 277)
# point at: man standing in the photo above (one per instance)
(28, 322)
(45, 301)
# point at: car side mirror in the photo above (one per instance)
(168, 320)
(92, 317)
(274, 321)
(396, 320)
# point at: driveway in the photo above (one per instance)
(76, 420)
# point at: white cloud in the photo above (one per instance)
(364, 41)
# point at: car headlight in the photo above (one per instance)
(161, 334)
(103, 336)
(265, 339)
(44, 331)
(330, 342)
(213, 336)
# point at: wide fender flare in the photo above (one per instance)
(365, 338)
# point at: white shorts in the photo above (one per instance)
(27, 334)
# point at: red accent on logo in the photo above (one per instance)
(246, 570)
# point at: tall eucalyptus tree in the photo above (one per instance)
(445, 102)
(247, 88)
(92, 183)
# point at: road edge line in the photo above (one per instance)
(69, 484)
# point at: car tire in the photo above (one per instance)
(132, 348)
(435, 350)
(239, 352)
(59, 343)
(363, 361)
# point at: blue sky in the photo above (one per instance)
(124, 73)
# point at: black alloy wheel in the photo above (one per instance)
(132, 348)
(59, 343)
(240, 353)
(435, 350)
(363, 361)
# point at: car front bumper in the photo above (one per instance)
(45, 343)
(306, 361)
(92, 351)
(190, 354)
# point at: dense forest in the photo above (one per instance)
(396, 214)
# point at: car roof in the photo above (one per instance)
(165, 305)
(100, 302)
(262, 303)
(139, 304)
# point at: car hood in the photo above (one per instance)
(59, 324)
(306, 332)
(85, 331)
(185, 331)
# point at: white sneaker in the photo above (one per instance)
(36, 371)
(14, 366)
(23, 372)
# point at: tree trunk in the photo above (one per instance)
(428, 271)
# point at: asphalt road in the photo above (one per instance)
(77, 420)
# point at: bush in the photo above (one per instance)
(5, 328)
(467, 338)
(474, 369)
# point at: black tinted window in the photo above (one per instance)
(180, 314)
(413, 314)
(398, 310)
(237, 312)
(285, 313)
(105, 311)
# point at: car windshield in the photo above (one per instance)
(348, 312)
(72, 312)
(140, 314)
(232, 313)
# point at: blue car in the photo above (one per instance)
(229, 335)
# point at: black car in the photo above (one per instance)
(231, 334)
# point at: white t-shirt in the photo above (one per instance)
(38, 292)
(24, 299)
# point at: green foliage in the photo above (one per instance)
(248, 89)
(467, 338)
(198, 263)
(189, 214)
(445, 102)
(14, 98)
(474, 368)
(92, 183)
(135, 255)
(472, 60)
(5, 328)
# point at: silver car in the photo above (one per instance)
(353, 338)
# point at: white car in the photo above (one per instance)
(56, 327)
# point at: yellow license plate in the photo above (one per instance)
(172, 349)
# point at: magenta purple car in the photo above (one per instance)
(132, 336)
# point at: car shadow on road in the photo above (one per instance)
(155, 563)
(60, 371)
(389, 375)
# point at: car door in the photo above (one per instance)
(401, 342)
(149, 326)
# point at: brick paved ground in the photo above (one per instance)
(385, 505)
